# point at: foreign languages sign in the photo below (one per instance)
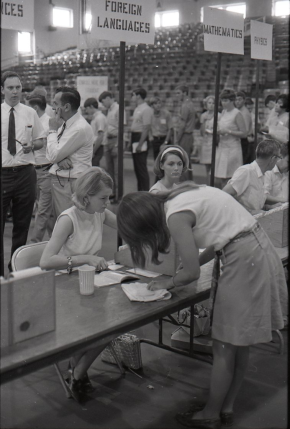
(91, 86)
(261, 40)
(223, 31)
(17, 15)
(123, 21)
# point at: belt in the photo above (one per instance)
(255, 228)
(159, 137)
(16, 168)
(42, 166)
(111, 137)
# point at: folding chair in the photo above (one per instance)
(29, 256)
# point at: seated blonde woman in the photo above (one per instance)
(77, 240)
(169, 165)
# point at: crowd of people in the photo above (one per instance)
(54, 153)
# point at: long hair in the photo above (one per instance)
(142, 223)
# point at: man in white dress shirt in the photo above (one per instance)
(21, 135)
(247, 183)
(69, 146)
(43, 189)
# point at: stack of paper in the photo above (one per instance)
(139, 292)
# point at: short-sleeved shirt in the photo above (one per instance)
(247, 118)
(248, 182)
(24, 116)
(276, 184)
(219, 217)
(142, 116)
(40, 155)
(161, 123)
(86, 238)
(187, 116)
(99, 123)
(113, 119)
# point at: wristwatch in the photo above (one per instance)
(69, 264)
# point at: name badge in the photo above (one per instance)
(163, 121)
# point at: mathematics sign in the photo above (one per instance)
(223, 31)
(91, 86)
(17, 15)
(261, 40)
(124, 21)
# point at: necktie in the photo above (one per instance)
(62, 131)
(11, 133)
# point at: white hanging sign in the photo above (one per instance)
(261, 40)
(18, 15)
(91, 86)
(223, 31)
(124, 21)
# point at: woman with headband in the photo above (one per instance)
(231, 128)
(206, 131)
(169, 165)
(247, 305)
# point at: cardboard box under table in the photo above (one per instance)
(27, 305)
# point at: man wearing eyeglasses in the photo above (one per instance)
(247, 183)
(69, 146)
(21, 134)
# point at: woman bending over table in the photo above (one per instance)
(169, 165)
(247, 304)
(76, 240)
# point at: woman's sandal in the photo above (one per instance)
(227, 419)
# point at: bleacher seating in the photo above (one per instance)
(177, 56)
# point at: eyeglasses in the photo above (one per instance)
(277, 156)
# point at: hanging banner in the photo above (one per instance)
(91, 86)
(123, 21)
(18, 15)
(261, 41)
(223, 31)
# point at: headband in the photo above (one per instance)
(170, 149)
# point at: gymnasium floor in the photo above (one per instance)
(38, 400)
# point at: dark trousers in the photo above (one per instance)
(19, 188)
(98, 156)
(157, 143)
(246, 151)
(140, 166)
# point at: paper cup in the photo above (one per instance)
(86, 279)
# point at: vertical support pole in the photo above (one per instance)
(121, 125)
(215, 117)
(257, 100)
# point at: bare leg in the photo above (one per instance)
(223, 370)
(86, 361)
(242, 359)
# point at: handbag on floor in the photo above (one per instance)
(128, 351)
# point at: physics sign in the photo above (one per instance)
(223, 31)
(17, 15)
(123, 21)
(261, 40)
(91, 86)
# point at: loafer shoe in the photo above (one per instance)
(186, 420)
(86, 385)
(227, 419)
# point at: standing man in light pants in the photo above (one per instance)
(69, 146)
(111, 147)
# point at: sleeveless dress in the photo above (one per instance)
(252, 287)
(229, 154)
(159, 187)
(86, 238)
(206, 145)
